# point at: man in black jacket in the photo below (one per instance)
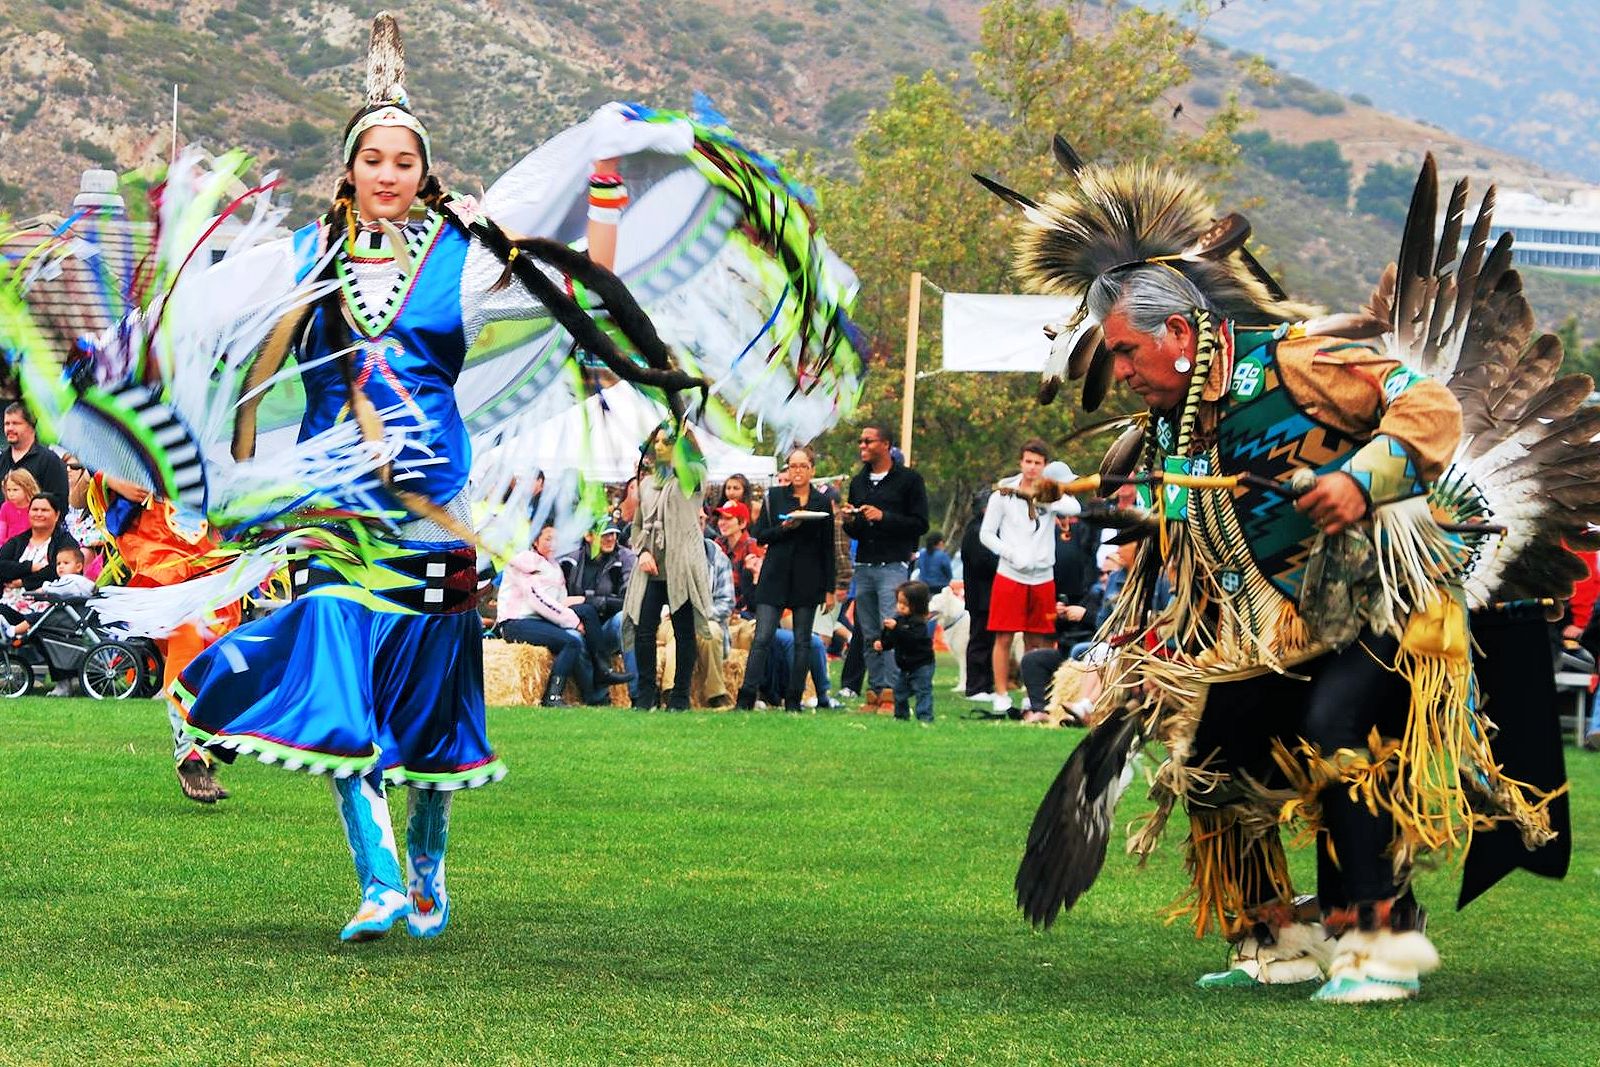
(596, 581)
(887, 515)
(24, 451)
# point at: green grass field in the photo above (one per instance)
(752, 888)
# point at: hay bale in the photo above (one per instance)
(732, 673)
(1073, 681)
(508, 670)
(515, 675)
(733, 669)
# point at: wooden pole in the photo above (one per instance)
(908, 395)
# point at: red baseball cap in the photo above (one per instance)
(735, 509)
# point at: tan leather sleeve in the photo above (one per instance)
(1353, 387)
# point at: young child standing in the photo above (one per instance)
(909, 635)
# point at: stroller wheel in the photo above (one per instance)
(16, 677)
(112, 670)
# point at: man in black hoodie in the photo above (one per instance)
(887, 515)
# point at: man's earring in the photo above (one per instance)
(1182, 365)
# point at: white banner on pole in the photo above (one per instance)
(999, 332)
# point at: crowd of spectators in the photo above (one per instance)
(39, 554)
(796, 573)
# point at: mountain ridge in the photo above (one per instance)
(88, 82)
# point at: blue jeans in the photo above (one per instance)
(567, 644)
(819, 668)
(917, 682)
(875, 586)
(630, 662)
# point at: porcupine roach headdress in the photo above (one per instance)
(1113, 218)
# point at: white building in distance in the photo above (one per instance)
(1559, 236)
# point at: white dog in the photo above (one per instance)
(950, 611)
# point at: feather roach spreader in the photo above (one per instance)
(1268, 610)
(1110, 219)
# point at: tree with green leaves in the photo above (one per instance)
(1578, 357)
(1385, 192)
(1101, 75)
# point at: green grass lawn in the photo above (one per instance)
(690, 889)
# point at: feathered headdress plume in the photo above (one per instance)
(386, 62)
(386, 103)
(1112, 218)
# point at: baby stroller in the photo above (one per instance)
(67, 640)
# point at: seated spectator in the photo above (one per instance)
(72, 583)
(1077, 606)
(28, 560)
(597, 577)
(733, 525)
(534, 611)
(627, 509)
(1582, 628)
(735, 490)
(712, 648)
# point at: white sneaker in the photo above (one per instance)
(809, 702)
(979, 698)
(1002, 703)
(848, 694)
(62, 689)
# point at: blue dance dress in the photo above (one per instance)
(377, 664)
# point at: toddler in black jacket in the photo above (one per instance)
(911, 639)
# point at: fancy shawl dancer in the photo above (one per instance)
(1324, 517)
(375, 670)
(373, 673)
(422, 332)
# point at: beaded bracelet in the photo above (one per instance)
(607, 197)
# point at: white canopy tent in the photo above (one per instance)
(602, 437)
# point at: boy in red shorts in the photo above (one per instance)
(1024, 537)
